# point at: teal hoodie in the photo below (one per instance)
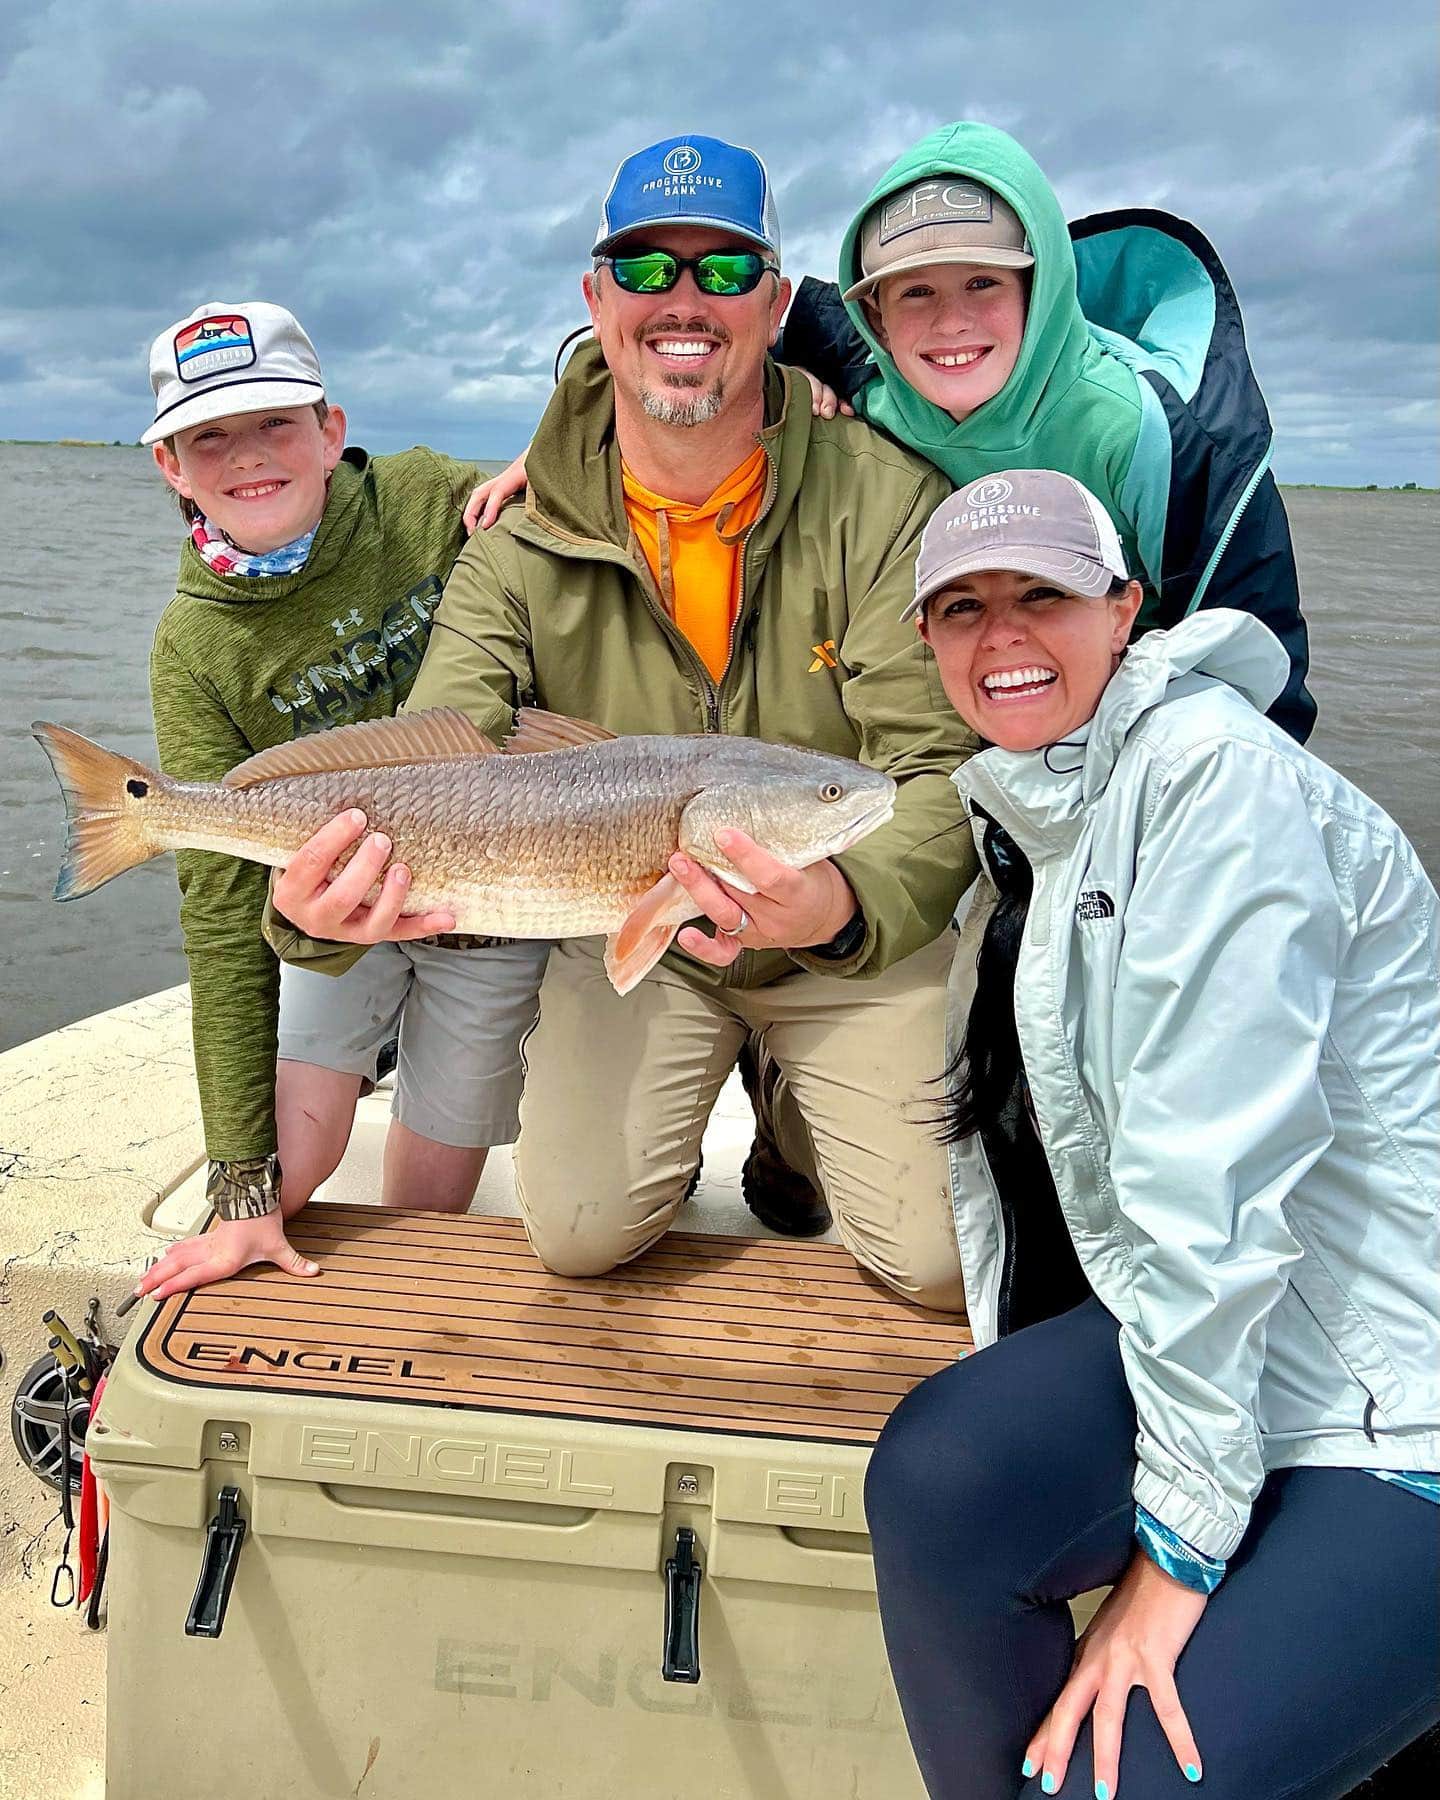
(1070, 403)
(1133, 376)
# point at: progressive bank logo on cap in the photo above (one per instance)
(989, 493)
(680, 174)
(990, 505)
(209, 346)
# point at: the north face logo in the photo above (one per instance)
(1096, 904)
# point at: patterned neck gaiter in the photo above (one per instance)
(226, 558)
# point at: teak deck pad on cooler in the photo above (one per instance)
(705, 1333)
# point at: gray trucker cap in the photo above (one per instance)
(1027, 521)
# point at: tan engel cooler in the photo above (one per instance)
(439, 1524)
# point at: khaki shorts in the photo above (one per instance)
(460, 1014)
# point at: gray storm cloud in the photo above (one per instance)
(419, 183)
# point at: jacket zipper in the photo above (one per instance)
(1006, 1294)
(1230, 530)
(743, 968)
(772, 482)
(709, 696)
(710, 689)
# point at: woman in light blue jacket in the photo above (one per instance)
(1196, 1124)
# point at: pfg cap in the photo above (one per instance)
(944, 219)
(1027, 522)
(691, 181)
(230, 359)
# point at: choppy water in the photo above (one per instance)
(88, 544)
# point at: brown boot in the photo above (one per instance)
(780, 1196)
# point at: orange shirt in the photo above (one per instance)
(694, 552)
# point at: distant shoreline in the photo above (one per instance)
(1322, 487)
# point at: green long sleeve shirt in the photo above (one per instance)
(244, 662)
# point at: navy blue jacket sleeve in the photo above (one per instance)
(820, 336)
(1257, 575)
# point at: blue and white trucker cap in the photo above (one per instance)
(691, 181)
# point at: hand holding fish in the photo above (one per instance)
(790, 909)
(336, 910)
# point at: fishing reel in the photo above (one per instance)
(51, 1408)
(48, 1446)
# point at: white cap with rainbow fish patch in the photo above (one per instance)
(224, 359)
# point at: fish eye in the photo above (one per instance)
(831, 790)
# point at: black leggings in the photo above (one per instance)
(1001, 1488)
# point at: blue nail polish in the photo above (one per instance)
(1102, 1792)
(1048, 1783)
(1191, 1772)
(1027, 1768)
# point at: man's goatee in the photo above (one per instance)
(672, 408)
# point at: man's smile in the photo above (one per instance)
(680, 350)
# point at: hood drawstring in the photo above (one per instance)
(666, 570)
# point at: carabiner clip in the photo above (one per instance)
(63, 1568)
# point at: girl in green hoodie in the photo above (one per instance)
(974, 326)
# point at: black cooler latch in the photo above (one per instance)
(223, 1537)
(682, 1610)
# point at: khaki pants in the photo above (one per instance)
(618, 1091)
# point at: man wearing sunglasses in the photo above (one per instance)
(697, 552)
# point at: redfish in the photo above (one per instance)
(565, 832)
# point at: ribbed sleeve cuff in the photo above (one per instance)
(1202, 1574)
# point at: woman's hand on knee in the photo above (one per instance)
(233, 1245)
(1134, 1641)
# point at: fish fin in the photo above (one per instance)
(648, 932)
(105, 831)
(704, 815)
(434, 736)
(715, 862)
(536, 730)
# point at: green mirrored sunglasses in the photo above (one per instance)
(722, 272)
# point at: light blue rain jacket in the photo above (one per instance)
(1228, 1000)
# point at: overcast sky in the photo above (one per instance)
(419, 181)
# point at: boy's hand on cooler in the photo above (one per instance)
(824, 401)
(484, 505)
(233, 1245)
(336, 910)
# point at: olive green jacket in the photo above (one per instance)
(243, 662)
(556, 607)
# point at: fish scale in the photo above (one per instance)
(511, 849)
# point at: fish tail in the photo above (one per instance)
(105, 828)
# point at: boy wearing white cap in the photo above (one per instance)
(304, 600)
